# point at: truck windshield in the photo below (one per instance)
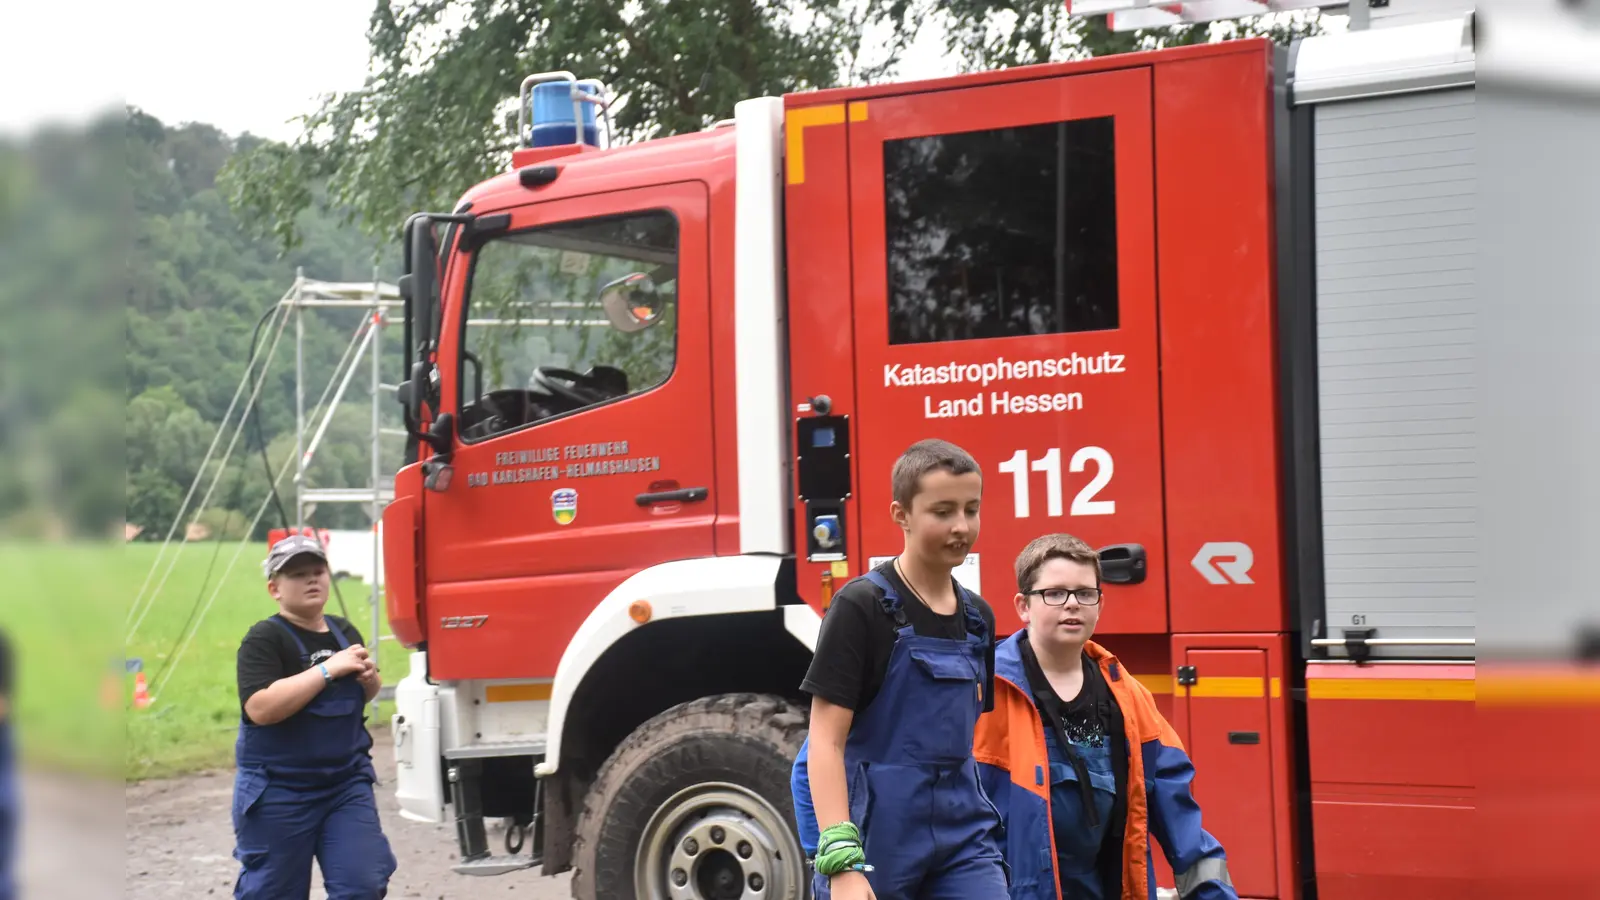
(568, 316)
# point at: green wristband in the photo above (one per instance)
(839, 850)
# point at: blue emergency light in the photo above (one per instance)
(552, 108)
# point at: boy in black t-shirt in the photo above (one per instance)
(303, 786)
(886, 790)
(268, 653)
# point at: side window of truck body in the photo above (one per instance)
(1002, 232)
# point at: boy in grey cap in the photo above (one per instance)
(305, 775)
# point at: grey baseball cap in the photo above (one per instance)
(290, 547)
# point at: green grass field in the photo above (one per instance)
(61, 612)
(75, 704)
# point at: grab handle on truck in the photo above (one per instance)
(681, 495)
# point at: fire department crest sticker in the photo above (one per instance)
(564, 505)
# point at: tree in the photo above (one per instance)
(438, 114)
(992, 34)
(195, 285)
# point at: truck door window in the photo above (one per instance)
(1001, 233)
(566, 317)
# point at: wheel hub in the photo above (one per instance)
(717, 842)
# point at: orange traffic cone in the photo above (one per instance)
(141, 692)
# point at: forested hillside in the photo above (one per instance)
(129, 292)
(197, 287)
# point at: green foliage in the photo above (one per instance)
(130, 291)
(993, 34)
(62, 245)
(439, 114)
(199, 286)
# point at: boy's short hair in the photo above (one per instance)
(1046, 547)
(929, 455)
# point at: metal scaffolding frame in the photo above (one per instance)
(377, 298)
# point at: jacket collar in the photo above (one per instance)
(1008, 662)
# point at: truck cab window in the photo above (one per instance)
(1002, 233)
(566, 317)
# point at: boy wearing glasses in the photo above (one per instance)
(1114, 774)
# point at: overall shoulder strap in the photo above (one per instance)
(890, 601)
(977, 626)
(338, 633)
(299, 644)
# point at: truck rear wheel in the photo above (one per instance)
(695, 805)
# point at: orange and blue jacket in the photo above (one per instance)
(1014, 766)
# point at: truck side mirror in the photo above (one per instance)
(631, 303)
(1122, 564)
(420, 283)
(437, 471)
(413, 392)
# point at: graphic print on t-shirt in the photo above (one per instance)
(1082, 718)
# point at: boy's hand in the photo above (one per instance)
(850, 886)
(352, 660)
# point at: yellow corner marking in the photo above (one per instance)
(511, 693)
(1391, 689)
(1539, 689)
(1156, 684)
(1223, 686)
(798, 120)
(1443, 689)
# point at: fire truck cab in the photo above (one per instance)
(1199, 306)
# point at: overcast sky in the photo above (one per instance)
(225, 62)
(240, 66)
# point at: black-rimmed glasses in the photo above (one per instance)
(1058, 596)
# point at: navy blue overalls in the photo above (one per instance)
(927, 828)
(8, 813)
(304, 789)
(1080, 812)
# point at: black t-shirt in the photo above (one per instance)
(857, 636)
(1086, 718)
(267, 653)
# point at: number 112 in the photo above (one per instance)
(1083, 504)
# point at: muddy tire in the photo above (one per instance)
(695, 805)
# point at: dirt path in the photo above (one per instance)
(71, 840)
(180, 844)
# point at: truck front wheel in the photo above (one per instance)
(695, 805)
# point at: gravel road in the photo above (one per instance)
(180, 841)
(71, 839)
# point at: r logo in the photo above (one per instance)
(1234, 567)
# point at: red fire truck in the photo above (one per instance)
(1201, 306)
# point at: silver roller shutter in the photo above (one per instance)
(1395, 217)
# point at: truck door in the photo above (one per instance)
(1004, 269)
(575, 360)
